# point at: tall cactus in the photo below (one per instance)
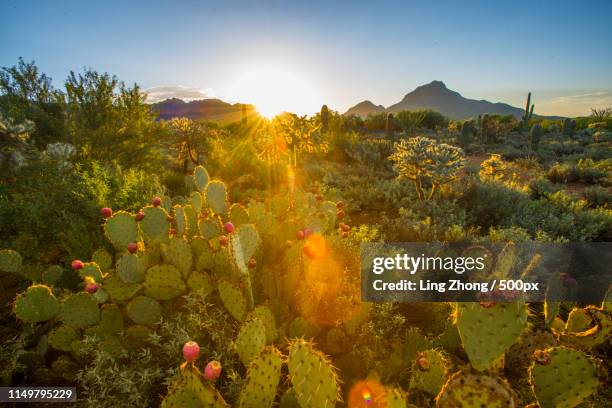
(324, 118)
(528, 112)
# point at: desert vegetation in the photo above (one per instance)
(184, 263)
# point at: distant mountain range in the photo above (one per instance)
(437, 96)
(203, 109)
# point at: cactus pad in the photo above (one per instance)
(163, 282)
(301, 327)
(155, 224)
(103, 259)
(200, 178)
(197, 202)
(598, 331)
(10, 261)
(144, 311)
(465, 390)
(209, 227)
(251, 340)
(216, 196)
(118, 290)
(137, 336)
(200, 282)
(178, 253)
(520, 354)
(180, 222)
(233, 299)
(92, 270)
(53, 274)
(578, 320)
(121, 229)
(429, 372)
(37, 304)
(265, 315)
(263, 376)
(61, 337)
(131, 268)
(190, 392)
(313, 377)
(239, 215)
(245, 242)
(487, 333)
(80, 310)
(563, 377)
(111, 322)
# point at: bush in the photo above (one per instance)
(598, 196)
(541, 188)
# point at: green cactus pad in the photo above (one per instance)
(91, 270)
(166, 203)
(137, 336)
(395, 398)
(197, 202)
(178, 253)
(65, 367)
(144, 311)
(10, 261)
(578, 320)
(206, 260)
(200, 178)
(111, 321)
(429, 372)
(118, 290)
(80, 310)
(239, 215)
(180, 222)
(155, 224)
(152, 255)
(190, 392)
(61, 337)
(244, 243)
(131, 268)
(210, 227)
(312, 376)
(488, 332)
(52, 275)
(36, 304)
(191, 219)
(519, 357)
(300, 327)
(103, 259)
(597, 333)
(506, 259)
(223, 264)
(101, 296)
(265, 315)
(263, 376)
(121, 229)
(465, 390)
(163, 282)
(216, 196)
(566, 379)
(414, 343)
(200, 282)
(233, 299)
(198, 246)
(289, 399)
(251, 340)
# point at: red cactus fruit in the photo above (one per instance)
(541, 357)
(139, 216)
(300, 235)
(423, 363)
(339, 204)
(252, 263)
(132, 247)
(307, 232)
(229, 227)
(76, 264)
(344, 227)
(91, 287)
(156, 201)
(191, 351)
(223, 240)
(340, 213)
(212, 371)
(106, 212)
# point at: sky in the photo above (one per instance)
(298, 55)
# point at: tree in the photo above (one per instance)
(301, 134)
(410, 121)
(190, 139)
(421, 159)
(601, 114)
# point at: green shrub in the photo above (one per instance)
(541, 187)
(598, 196)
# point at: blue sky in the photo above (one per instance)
(344, 52)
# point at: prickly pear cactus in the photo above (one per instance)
(91, 270)
(144, 311)
(155, 225)
(578, 320)
(429, 372)
(178, 253)
(190, 392)
(264, 314)
(216, 196)
(239, 215)
(10, 261)
(197, 202)
(200, 177)
(52, 275)
(111, 322)
(37, 304)
(121, 229)
(395, 398)
(61, 337)
(118, 290)
(597, 332)
(251, 340)
(245, 242)
(263, 376)
(300, 327)
(233, 299)
(103, 259)
(180, 220)
(80, 310)
(466, 390)
(488, 332)
(312, 376)
(131, 268)
(519, 357)
(200, 282)
(163, 282)
(562, 377)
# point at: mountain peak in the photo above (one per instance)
(434, 85)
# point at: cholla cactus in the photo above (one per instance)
(422, 159)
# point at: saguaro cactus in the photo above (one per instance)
(528, 112)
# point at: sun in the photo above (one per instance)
(274, 89)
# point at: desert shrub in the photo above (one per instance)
(433, 119)
(598, 196)
(560, 173)
(541, 187)
(490, 203)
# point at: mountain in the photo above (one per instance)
(203, 109)
(365, 108)
(437, 96)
